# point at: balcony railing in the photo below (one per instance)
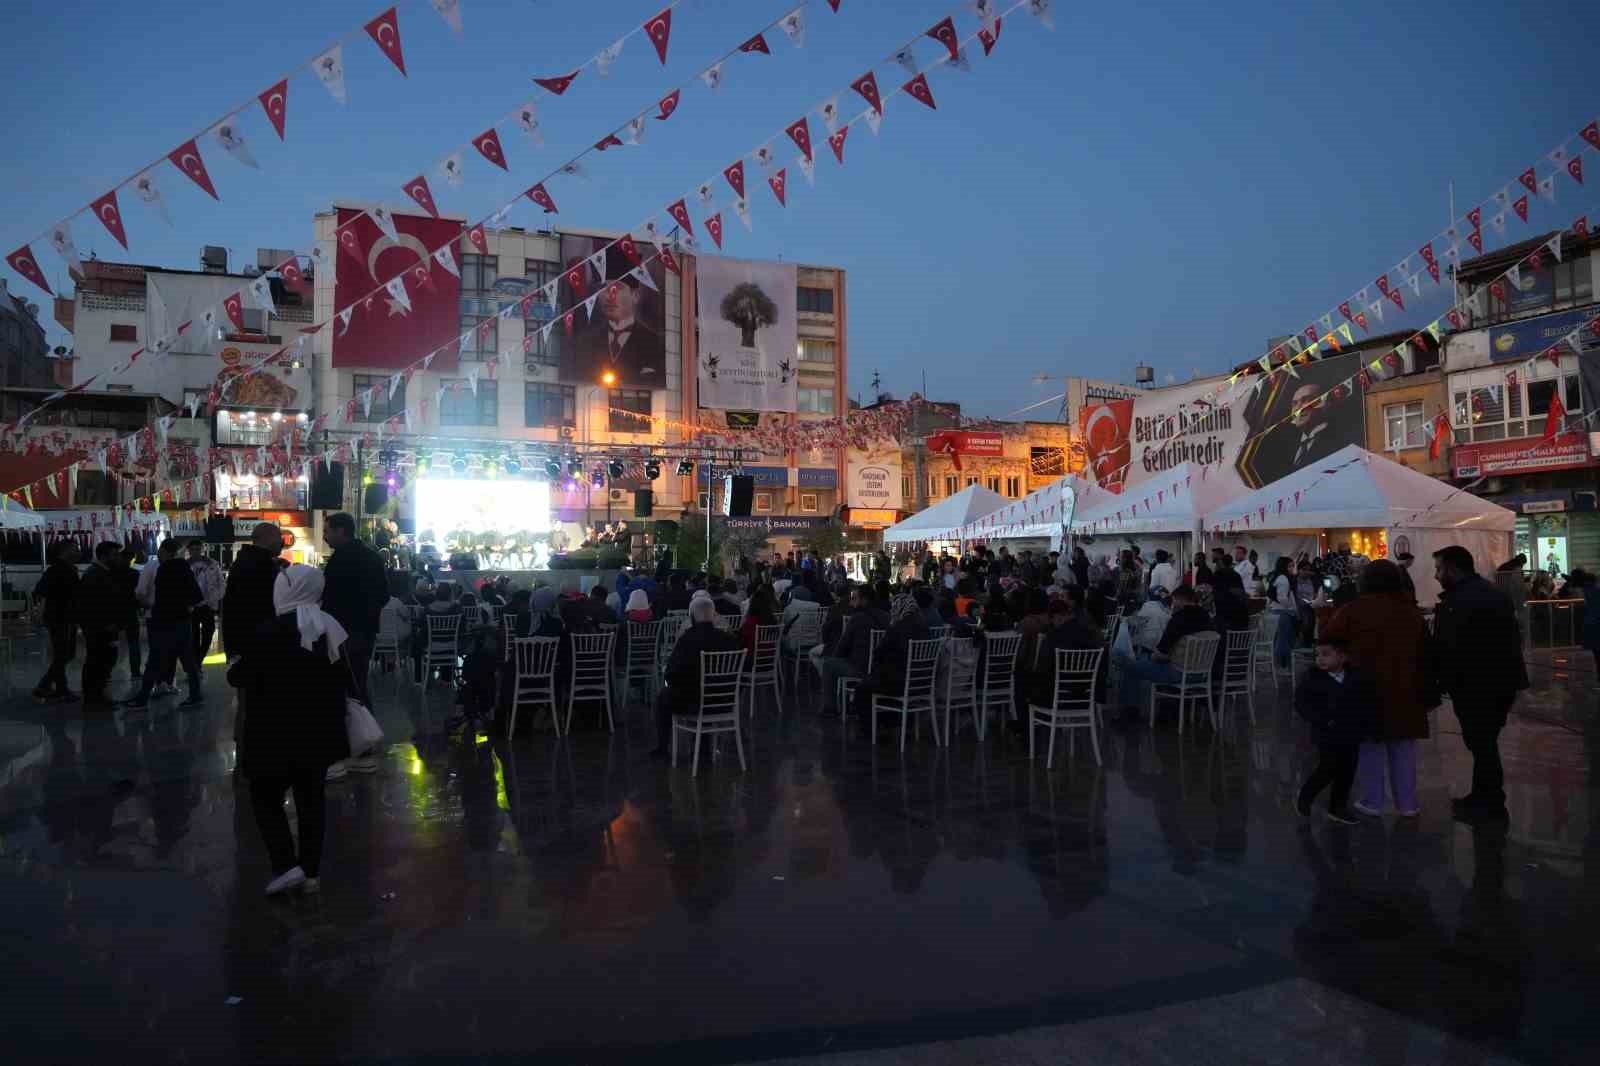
(95, 301)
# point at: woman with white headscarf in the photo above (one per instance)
(295, 679)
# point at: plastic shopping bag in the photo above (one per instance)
(364, 731)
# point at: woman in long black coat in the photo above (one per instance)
(295, 679)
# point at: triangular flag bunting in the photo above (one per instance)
(385, 32)
(275, 102)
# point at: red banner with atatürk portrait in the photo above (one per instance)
(372, 326)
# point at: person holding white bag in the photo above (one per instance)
(295, 680)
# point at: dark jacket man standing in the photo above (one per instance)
(247, 603)
(1478, 643)
(171, 637)
(101, 614)
(59, 588)
(355, 591)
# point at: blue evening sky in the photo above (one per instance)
(1170, 181)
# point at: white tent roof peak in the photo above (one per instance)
(932, 523)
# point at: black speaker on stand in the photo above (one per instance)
(643, 503)
(738, 494)
(376, 497)
(327, 487)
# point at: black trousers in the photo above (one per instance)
(130, 633)
(310, 808)
(1336, 767)
(204, 622)
(99, 656)
(1481, 721)
(169, 642)
(63, 649)
(358, 653)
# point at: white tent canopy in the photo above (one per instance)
(945, 519)
(1173, 502)
(1038, 514)
(14, 515)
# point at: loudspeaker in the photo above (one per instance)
(327, 487)
(643, 503)
(738, 493)
(219, 530)
(376, 497)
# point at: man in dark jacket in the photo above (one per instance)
(850, 653)
(171, 631)
(58, 588)
(247, 602)
(682, 694)
(595, 607)
(1069, 631)
(1479, 647)
(1341, 704)
(1188, 618)
(355, 591)
(126, 580)
(101, 614)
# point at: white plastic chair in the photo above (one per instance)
(1263, 627)
(672, 627)
(444, 634)
(917, 694)
(591, 672)
(386, 645)
(764, 666)
(1194, 682)
(960, 681)
(846, 689)
(1072, 704)
(534, 682)
(997, 685)
(721, 674)
(1236, 673)
(643, 659)
(804, 634)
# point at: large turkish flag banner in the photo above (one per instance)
(380, 333)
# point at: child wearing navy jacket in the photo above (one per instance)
(1340, 703)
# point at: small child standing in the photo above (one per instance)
(1340, 703)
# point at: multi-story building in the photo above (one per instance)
(24, 351)
(1498, 417)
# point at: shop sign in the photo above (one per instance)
(1565, 452)
(776, 524)
(1529, 337)
(1544, 506)
(812, 477)
(770, 477)
(960, 442)
(871, 518)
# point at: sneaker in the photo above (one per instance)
(1412, 813)
(1339, 818)
(1370, 812)
(337, 772)
(286, 880)
(365, 765)
(195, 700)
(311, 886)
(165, 690)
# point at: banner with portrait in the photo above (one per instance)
(748, 334)
(624, 331)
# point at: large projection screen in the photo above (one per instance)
(505, 506)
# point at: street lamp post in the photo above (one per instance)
(607, 380)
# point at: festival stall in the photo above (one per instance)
(1036, 520)
(18, 520)
(1353, 491)
(1164, 512)
(945, 520)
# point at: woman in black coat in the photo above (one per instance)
(295, 679)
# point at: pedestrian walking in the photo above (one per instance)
(356, 590)
(173, 597)
(247, 600)
(208, 575)
(58, 588)
(295, 680)
(101, 616)
(127, 598)
(1337, 700)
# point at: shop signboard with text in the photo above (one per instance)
(1566, 451)
(874, 477)
(956, 443)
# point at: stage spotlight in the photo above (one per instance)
(459, 464)
(598, 478)
(616, 469)
(392, 481)
(491, 467)
(422, 464)
(552, 467)
(685, 467)
(574, 469)
(512, 464)
(652, 470)
(366, 476)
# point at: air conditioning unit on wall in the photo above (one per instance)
(619, 495)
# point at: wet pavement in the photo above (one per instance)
(575, 901)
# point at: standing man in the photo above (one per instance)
(1405, 560)
(58, 588)
(247, 601)
(101, 614)
(172, 601)
(1479, 648)
(1164, 575)
(1244, 568)
(127, 588)
(145, 597)
(208, 575)
(356, 590)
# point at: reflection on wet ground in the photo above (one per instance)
(578, 901)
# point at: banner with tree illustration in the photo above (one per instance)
(748, 336)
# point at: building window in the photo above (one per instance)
(460, 407)
(630, 410)
(1403, 424)
(993, 484)
(905, 487)
(540, 272)
(808, 502)
(764, 501)
(478, 274)
(1014, 487)
(550, 406)
(1484, 407)
(384, 406)
(1047, 462)
(539, 353)
(124, 333)
(971, 480)
(952, 484)
(199, 396)
(819, 301)
(816, 350)
(933, 485)
(478, 343)
(816, 401)
(95, 489)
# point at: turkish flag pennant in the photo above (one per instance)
(777, 182)
(918, 89)
(1580, 226)
(293, 276)
(734, 172)
(1383, 284)
(1520, 206)
(989, 37)
(275, 103)
(714, 227)
(1433, 271)
(186, 157)
(659, 30)
(668, 104)
(417, 189)
(1361, 320)
(1361, 376)
(680, 214)
(1591, 133)
(557, 85)
(106, 210)
(1529, 180)
(421, 277)
(234, 306)
(1555, 420)
(758, 43)
(1575, 168)
(629, 250)
(610, 140)
(1394, 294)
(578, 280)
(1535, 261)
(799, 132)
(670, 261)
(488, 145)
(1344, 309)
(476, 237)
(1426, 251)
(944, 31)
(836, 142)
(23, 262)
(834, 4)
(567, 321)
(1455, 317)
(1499, 290)
(385, 33)
(1475, 238)
(539, 196)
(1475, 216)
(867, 86)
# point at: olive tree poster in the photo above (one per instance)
(748, 335)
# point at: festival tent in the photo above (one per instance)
(14, 515)
(1356, 489)
(1163, 511)
(1038, 515)
(945, 519)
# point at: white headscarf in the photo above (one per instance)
(638, 601)
(299, 589)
